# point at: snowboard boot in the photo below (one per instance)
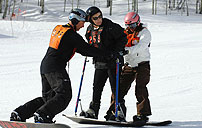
(120, 117)
(140, 118)
(123, 108)
(83, 113)
(90, 113)
(41, 118)
(16, 117)
(111, 117)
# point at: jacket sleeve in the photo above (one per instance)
(87, 35)
(119, 36)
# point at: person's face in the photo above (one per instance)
(97, 19)
(80, 25)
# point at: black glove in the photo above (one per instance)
(124, 52)
(115, 55)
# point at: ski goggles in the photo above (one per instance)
(96, 18)
(134, 25)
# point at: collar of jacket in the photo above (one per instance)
(69, 25)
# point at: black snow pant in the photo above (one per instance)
(142, 76)
(56, 95)
(100, 78)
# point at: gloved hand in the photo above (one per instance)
(124, 52)
(113, 56)
(119, 55)
(135, 41)
(128, 70)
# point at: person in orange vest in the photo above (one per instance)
(56, 84)
(136, 68)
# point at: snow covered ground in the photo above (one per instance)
(176, 63)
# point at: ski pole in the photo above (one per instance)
(117, 87)
(78, 97)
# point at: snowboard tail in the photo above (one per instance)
(13, 124)
(159, 123)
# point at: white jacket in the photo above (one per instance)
(139, 52)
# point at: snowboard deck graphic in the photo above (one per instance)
(82, 120)
(14, 124)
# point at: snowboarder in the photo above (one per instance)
(136, 67)
(108, 36)
(56, 85)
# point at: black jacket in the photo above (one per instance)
(56, 60)
(113, 39)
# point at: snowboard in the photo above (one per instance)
(82, 120)
(14, 124)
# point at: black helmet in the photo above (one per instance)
(77, 15)
(92, 11)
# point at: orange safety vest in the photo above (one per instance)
(131, 38)
(57, 35)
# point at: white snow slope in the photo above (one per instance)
(176, 62)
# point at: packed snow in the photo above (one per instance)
(176, 62)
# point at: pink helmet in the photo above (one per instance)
(132, 18)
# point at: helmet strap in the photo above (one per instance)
(74, 21)
(132, 29)
(95, 26)
(91, 21)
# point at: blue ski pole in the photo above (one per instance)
(117, 87)
(78, 97)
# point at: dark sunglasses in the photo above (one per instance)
(96, 18)
(134, 25)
